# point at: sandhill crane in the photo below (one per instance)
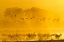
(15, 15)
(56, 19)
(30, 36)
(26, 18)
(56, 36)
(31, 18)
(22, 18)
(44, 19)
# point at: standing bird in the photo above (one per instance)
(58, 36)
(30, 36)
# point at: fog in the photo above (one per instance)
(53, 9)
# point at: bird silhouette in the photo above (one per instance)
(54, 19)
(58, 19)
(43, 20)
(15, 15)
(26, 18)
(5, 15)
(31, 18)
(22, 18)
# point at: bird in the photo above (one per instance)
(58, 19)
(43, 20)
(22, 18)
(58, 36)
(31, 18)
(15, 15)
(54, 19)
(26, 18)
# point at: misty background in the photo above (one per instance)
(50, 9)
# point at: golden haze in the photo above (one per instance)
(54, 8)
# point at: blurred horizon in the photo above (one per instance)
(52, 9)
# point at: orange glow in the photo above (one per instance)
(52, 9)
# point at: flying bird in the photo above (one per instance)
(26, 18)
(31, 18)
(54, 19)
(58, 19)
(15, 15)
(22, 18)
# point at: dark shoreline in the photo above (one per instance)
(37, 41)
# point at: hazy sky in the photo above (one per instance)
(51, 6)
(55, 5)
